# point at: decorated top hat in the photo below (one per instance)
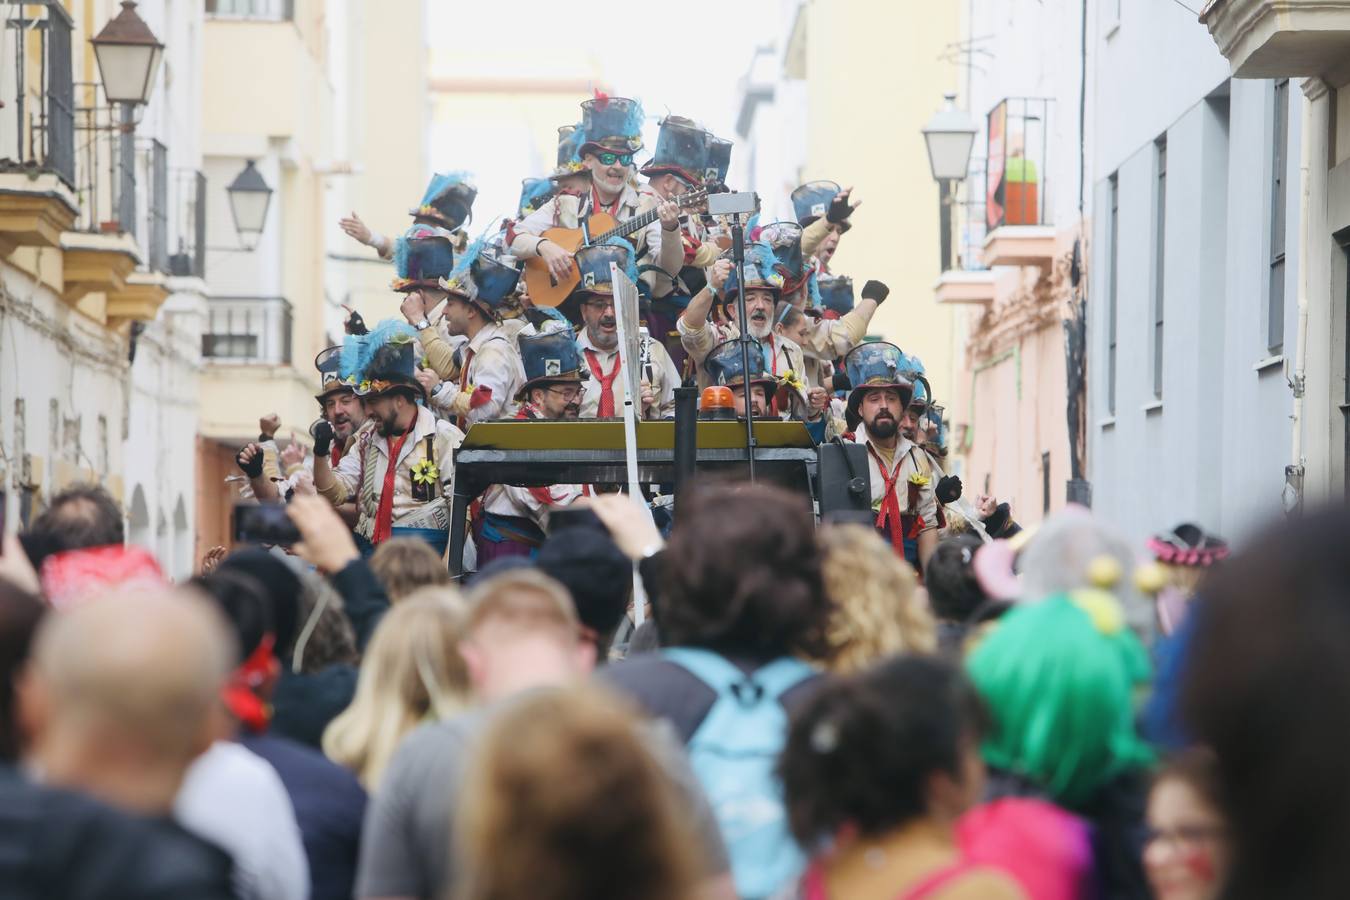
(570, 138)
(448, 200)
(681, 149)
(383, 361)
(719, 160)
(812, 200)
(761, 272)
(549, 358)
(873, 365)
(484, 277)
(612, 124)
(534, 193)
(785, 238)
(912, 370)
(836, 294)
(422, 257)
(723, 366)
(329, 364)
(593, 265)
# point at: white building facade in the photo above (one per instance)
(1193, 274)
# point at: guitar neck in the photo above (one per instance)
(637, 223)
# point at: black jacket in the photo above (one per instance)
(55, 843)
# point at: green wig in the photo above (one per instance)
(1059, 677)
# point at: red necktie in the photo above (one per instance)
(463, 421)
(335, 455)
(606, 409)
(889, 516)
(384, 513)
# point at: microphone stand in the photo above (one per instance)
(738, 258)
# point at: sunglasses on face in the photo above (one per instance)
(609, 159)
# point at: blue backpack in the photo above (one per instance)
(734, 753)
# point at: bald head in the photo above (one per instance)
(126, 689)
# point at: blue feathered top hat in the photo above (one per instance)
(448, 200)
(785, 238)
(873, 365)
(761, 272)
(383, 361)
(329, 364)
(549, 358)
(611, 124)
(422, 257)
(836, 294)
(570, 139)
(812, 200)
(723, 366)
(681, 149)
(534, 193)
(913, 372)
(719, 160)
(484, 277)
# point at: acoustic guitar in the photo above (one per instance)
(599, 227)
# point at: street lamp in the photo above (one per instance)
(950, 135)
(128, 55)
(249, 199)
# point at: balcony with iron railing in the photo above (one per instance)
(248, 331)
(37, 125)
(1016, 192)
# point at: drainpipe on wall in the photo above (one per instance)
(1293, 473)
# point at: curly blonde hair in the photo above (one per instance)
(878, 610)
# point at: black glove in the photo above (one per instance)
(875, 290)
(322, 432)
(839, 209)
(252, 468)
(355, 324)
(948, 489)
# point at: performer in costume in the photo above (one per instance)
(513, 521)
(348, 430)
(447, 203)
(902, 496)
(401, 482)
(591, 305)
(783, 359)
(609, 134)
(480, 377)
(723, 365)
(679, 164)
(823, 211)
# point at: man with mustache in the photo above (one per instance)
(400, 482)
(592, 306)
(344, 428)
(723, 365)
(609, 134)
(902, 496)
(509, 520)
(783, 359)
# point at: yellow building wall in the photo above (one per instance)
(873, 81)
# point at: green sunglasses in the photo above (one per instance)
(609, 159)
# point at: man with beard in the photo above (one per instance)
(399, 483)
(482, 376)
(512, 521)
(782, 357)
(609, 134)
(902, 496)
(592, 306)
(343, 428)
(723, 365)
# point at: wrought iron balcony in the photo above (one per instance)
(248, 330)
